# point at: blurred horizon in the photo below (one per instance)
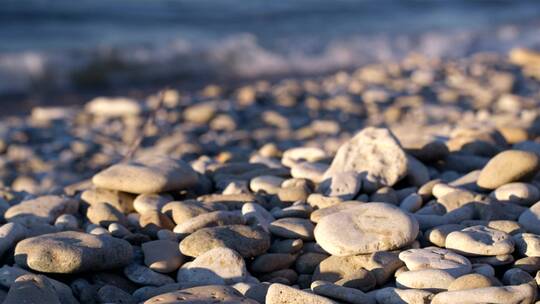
(54, 46)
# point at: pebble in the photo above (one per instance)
(66, 222)
(255, 291)
(211, 219)
(308, 262)
(411, 203)
(162, 255)
(373, 153)
(145, 276)
(298, 209)
(292, 228)
(507, 167)
(31, 288)
(9, 274)
(145, 202)
(147, 175)
(72, 252)
(322, 212)
(152, 221)
(333, 291)
(203, 294)
(293, 193)
(473, 281)
(390, 295)
(287, 246)
(518, 193)
(530, 219)
(310, 171)
(218, 266)
(377, 268)
(105, 214)
(247, 241)
(283, 294)
(41, 210)
(118, 230)
(113, 106)
(310, 154)
(523, 293)
(255, 214)
(123, 201)
(480, 240)
(365, 229)
(434, 280)
(527, 244)
(516, 276)
(436, 258)
(344, 185)
(10, 235)
(269, 262)
(267, 184)
(109, 293)
(181, 211)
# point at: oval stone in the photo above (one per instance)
(365, 229)
(507, 167)
(72, 252)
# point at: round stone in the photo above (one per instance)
(344, 185)
(530, 219)
(292, 228)
(528, 244)
(427, 279)
(104, 214)
(320, 213)
(507, 167)
(211, 219)
(437, 235)
(283, 294)
(266, 184)
(145, 276)
(72, 252)
(380, 266)
(255, 214)
(472, 281)
(181, 211)
(346, 294)
(436, 258)
(162, 255)
(152, 221)
(518, 193)
(202, 294)
(31, 288)
(480, 240)
(365, 229)
(269, 262)
(218, 266)
(150, 201)
(153, 174)
(392, 295)
(247, 241)
(41, 210)
(524, 293)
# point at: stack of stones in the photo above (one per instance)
(384, 216)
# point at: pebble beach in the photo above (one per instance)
(414, 181)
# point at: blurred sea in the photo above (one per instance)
(64, 44)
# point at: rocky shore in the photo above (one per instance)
(405, 182)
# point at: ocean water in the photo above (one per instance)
(65, 44)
